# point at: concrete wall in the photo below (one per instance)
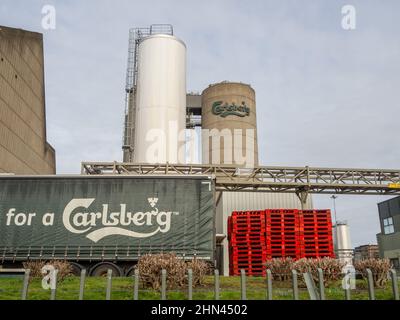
(228, 92)
(23, 145)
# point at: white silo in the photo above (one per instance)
(342, 242)
(160, 119)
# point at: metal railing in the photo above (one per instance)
(315, 290)
(267, 179)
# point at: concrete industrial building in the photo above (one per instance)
(23, 145)
(229, 109)
(389, 237)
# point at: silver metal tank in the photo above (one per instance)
(160, 100)
(342, 242)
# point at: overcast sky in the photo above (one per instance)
(325, 96)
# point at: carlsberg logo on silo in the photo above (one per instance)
(80, 221)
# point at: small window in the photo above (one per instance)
(388, 227)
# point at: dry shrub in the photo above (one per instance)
(35, 267)
(64, 268)
(378, 267)
(281, 268)
(200, 269)
(151, 265)
(331, 268)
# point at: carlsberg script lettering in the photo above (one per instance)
(78, 219)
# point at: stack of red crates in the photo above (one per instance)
(316, 233)
(256, 236)
(247, 239)
(283, 233)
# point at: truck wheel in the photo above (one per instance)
(100, 269)
(130, 272)
(76, 268)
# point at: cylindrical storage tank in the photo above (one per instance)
(342, 242)
(229, 124)
(160, 100)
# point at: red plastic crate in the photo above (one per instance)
(282, 233)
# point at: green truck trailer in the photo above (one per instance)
(105, 222)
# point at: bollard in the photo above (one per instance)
(371, 290)
(310, 286)
(82, 284)
(164, 284)
(395, 287)
(243, 284)
(136, 285)
(269, 284)
(295, 285)
(321, 284)
(53, 285)
(216, 284)
(109, 284)
(25, 285)
(190, 284)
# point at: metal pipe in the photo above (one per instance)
(164, 284)
(53, 284)
(269, 284)
(295, 285)
(395, 286)
(216, 284)
(310, 286)
(109, 284)
(25, 286)
(82, 284)
(243, 284)
(321, 284)
(136, 285)
(190, 284)
(371, 290)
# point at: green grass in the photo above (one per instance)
(122, 289)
